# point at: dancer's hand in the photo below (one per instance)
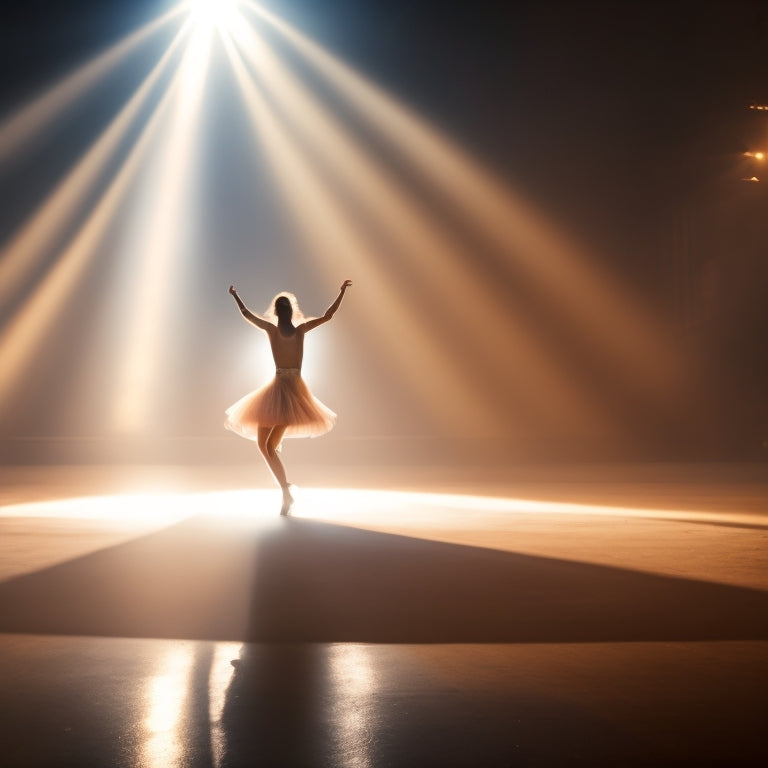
(345, 285)
(232, 290)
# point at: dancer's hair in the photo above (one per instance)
(286, 303)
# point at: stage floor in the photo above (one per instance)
(579, 616)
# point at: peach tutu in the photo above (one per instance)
(285, 399)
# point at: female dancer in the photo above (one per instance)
(284, 407)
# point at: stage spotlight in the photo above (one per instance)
(211, 13)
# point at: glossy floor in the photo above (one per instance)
(383, 629)
(160, 703)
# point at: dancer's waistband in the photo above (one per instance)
(296, 371)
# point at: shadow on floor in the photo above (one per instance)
(303, 581)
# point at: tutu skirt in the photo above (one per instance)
(285, 400)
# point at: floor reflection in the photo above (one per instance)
(353, 697)
(166, 696)
(293, 704)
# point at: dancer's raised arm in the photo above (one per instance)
(259, 322)
(330, 312)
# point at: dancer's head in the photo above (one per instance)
(285, 309)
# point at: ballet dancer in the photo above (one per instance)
(284, 406)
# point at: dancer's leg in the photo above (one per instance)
(269, 438)
(273, 445)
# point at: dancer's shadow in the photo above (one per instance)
(323, 583)
(304, 581)
(289, 585)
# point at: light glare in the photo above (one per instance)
(211, 13)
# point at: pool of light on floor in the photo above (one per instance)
(338, 505)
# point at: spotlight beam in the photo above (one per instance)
(631, 336)
(21, 337)
(24, 125)
(156, 244)
(479, 354)
(425, 252)
(328, 230)
(20, 257)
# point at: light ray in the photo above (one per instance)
(535, 378)
(329, 232)
(27, 122)
(606, 314)
(468, 354)
(156, 244)
(27, 247)
(21, 337)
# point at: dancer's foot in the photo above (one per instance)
(287, 501)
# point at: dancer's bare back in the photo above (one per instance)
(287, 345)
(286, 339)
